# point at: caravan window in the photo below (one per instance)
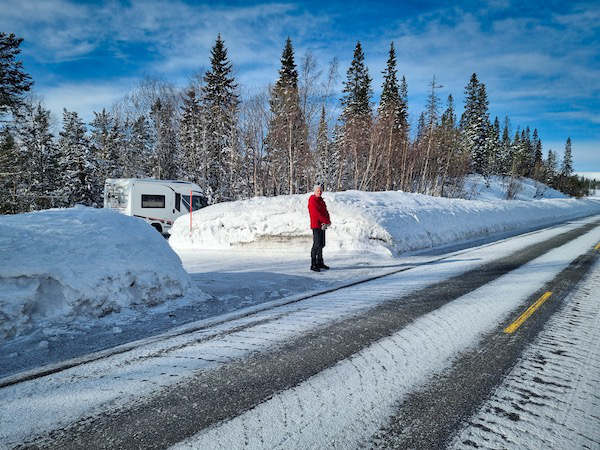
(197, 202)
(153, 201)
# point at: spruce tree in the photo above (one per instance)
(106, 141)
(527, 150)
(453, 167)
(220, 101)
(165, 141)
(357, 117)
(493, 148)
(138, 160)
(392, 118)
(287, 134)
(566, 168)
(14, 82)
(538, 171)
(326, 155)
(506, 153)
(40, 156)
(357, 88)
(77, 163)
(474, 124)
(192, 140)
(11, 173)
(550, 169)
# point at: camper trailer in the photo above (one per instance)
(158, 202)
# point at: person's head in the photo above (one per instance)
(318, 190)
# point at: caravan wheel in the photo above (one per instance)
(158, 227)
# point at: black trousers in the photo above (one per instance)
(316, 253)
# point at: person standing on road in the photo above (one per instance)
(319, 221)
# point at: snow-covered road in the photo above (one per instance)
(551, 397)
(354, 394)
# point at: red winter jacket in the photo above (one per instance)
(318, 211)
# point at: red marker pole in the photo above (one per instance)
(190, 213)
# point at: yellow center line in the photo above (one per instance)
(597, 247)
(528, 312)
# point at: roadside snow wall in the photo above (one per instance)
(65, 264)
(389, 222)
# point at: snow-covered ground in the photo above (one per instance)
(80, 264)
(495, 188)
(81, 280)
(378, 222)
(55, 401)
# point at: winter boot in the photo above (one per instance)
(321, 265)
(314, 266)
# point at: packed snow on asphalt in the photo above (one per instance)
(79, 280)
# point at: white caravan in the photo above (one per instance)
(158, 202)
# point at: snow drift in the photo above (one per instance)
(388, 222)
(495, 187)
(63, 264)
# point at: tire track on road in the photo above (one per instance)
(561, 377)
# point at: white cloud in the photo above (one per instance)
(591, 175)
(85, 97)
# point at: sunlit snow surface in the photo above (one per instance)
(69, 265)
(378, 222)
(123, 379)
(76, 282)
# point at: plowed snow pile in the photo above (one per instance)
(388, 222)
(65, 264)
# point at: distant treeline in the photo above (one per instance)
(278, 141)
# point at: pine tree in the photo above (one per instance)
(287, 135)
(77, 164)
(357, 117)
(14, 82)
(220, 101)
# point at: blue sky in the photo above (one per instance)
(540, 61)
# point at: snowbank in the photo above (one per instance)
(66, 264)
(495, 188)
(388, 222)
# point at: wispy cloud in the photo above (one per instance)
(85, 97)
